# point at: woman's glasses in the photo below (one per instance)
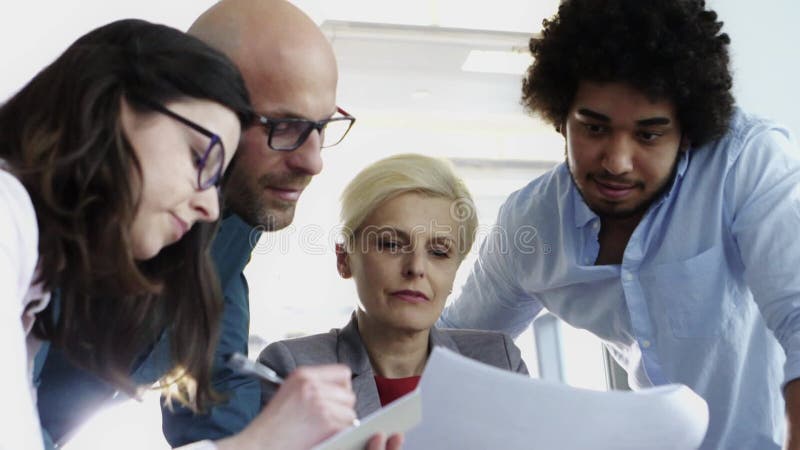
(210, 163)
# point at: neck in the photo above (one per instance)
(393, 353)
(624, 225)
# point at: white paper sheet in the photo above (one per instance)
(397, 417)
(468, 405)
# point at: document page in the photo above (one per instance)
(396, 417)
(470, 405)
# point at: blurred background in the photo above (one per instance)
(440, 77)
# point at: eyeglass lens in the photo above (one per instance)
(291, 135)
(211, 170)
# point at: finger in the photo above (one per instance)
(335, 417)
(376, 442)
(395, 441)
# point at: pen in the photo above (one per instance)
(247, 366)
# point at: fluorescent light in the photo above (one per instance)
(493, 61)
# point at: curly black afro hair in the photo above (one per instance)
(668, 49)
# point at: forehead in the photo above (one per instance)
(620, 102)
(294, 85)
(414, 214)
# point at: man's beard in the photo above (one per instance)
(637, 210)
(248, 202)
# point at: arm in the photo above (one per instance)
(180, 425)
(311, 405)
(18, 255)
(792, 396)
(492, 299)
(763, 200)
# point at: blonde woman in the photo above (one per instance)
(409, 221)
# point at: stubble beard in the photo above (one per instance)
(637, 210)
(248, 201)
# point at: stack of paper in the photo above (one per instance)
(469, 405)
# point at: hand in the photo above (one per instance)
(379, 442)
(311, 405)
(792, 396)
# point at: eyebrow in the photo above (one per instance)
(283, 113)
(439, 238)
(642, 122)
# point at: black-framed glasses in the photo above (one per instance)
(285, 135)
(211, 162)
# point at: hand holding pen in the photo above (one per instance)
(311, 405)
(247, 366)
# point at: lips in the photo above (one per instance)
(181, 226)
(286, 193)
(614, 190)
(410, 296)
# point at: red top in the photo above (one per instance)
(390, 389)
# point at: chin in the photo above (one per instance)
(147, 251)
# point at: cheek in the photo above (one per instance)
(657, 170)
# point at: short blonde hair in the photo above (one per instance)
(400, 174)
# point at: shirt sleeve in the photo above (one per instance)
(763, 194)
(180, 425)
(492, 299)
(18, 256)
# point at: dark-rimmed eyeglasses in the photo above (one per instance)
(211, 162)
(285, 135)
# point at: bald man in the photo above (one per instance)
(291, 72)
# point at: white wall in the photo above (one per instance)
(765, 56)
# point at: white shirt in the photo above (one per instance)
(19, 240)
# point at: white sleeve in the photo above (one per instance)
(18, 257)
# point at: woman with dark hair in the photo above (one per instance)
(110, 164)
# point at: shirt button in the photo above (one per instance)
(627, 276)
(596, 225)
(646, 344)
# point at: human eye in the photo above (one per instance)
(440, 251)
(649, 136)
(197, 157)
(387, 243)
(594, 129)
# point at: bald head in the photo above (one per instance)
(290, 70)
(271, 41)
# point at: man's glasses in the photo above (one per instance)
(210, 163)
(285, 135)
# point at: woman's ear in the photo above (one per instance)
(342, 261)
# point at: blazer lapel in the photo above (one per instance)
(440, 338)
(351, 351)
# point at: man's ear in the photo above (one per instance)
(342, 261)
(686, 144)
(562, 128)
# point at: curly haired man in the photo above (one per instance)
(672, 220)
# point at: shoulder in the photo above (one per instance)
(489, 347)
(19, 232)
(14, 199)
(307, 350)
(748, 137)
(524, 210)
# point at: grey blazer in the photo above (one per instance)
(343, 346)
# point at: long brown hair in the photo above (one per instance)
(61, 135)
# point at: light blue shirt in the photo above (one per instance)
(708, 290)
